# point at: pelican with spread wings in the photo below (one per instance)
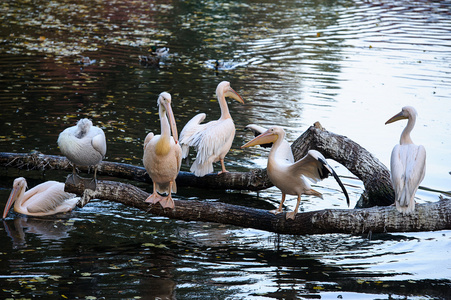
(292, 177)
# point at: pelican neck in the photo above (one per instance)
(405, 135)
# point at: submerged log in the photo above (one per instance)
(427, 217)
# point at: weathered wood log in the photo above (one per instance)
(361, 163)
(374, 175)
(427, 217)
(253, 180)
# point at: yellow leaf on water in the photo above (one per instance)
(113, 267)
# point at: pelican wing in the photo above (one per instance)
(189, 131)
(315, 167)
(417, 168)
(49, 196)
(99, 142)
(256, 129)
(148, 138)
(408, 166)
(310, 167)
(210, 140)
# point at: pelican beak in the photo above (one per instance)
(264, 138)
(171, 117)
(232, 94)
(396, 117)
(12, 198)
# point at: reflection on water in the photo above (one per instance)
(349, 64)
(54, 230)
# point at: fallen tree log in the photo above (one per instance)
(253, 180)
(427, 217)
(374, 175)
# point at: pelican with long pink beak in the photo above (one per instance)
(407, 164)
(45, 199)
(292, 177)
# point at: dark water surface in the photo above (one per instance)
(349, 64)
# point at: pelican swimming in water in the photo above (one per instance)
(45, 199)
(290, 176)
(83, 145)
(407, 164)
(163, 155)
(212, 140)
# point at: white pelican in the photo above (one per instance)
(212, 140)
(289, 176)
(83, 145)
(407, 164)
(163, 155)
(45, 199)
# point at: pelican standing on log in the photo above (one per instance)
(45, 199)
(163, 155)
(407, 164)
(289, 176)
(212, 140)
(84, 145)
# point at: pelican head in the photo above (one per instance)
(19, 187)
(407, 112)
(83, 126)
(225, 89)
(269, 136)
(164, 102)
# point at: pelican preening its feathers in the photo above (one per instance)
(290, 176)
(84, 145)
(212, 140)
(45, 199)
(407, 163)
(162, 155)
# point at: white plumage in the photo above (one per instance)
(45, 199)
(162, 155)
(407, 164)
(291, 177)
(83, 144)
(212, 140)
